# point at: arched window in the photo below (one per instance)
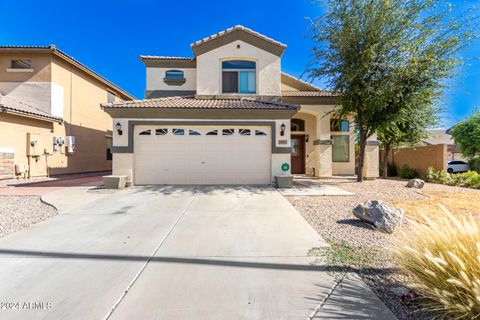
(297, 125)
(174, 74)
(174, 77)
(239, 76)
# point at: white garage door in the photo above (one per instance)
(202, 155)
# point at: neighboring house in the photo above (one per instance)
(442, 136)
(50, 122)
(229, 115)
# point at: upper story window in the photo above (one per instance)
(21, 64)
(339, 125)
(17, 65)
(110, 97)
(174, 77)
(239, 76)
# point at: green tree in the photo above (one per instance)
(410, 128)
(380, 55)
(467, 135)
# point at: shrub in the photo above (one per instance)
(406, 172)
(392, 170)
(469, 179)
(443, 256)
(475, 164)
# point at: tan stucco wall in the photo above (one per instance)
(209, 68)
(13, 134)
(40, 65)
(78, 96)
(420, 158)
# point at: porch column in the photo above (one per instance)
(371, 165)
(323, 146)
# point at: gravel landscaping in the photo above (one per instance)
(18, 212)
(332, 217)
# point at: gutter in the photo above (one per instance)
(4, 109)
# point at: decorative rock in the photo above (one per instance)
(379, 214)
(400, 291)
(416, 183)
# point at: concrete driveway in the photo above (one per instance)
(173, 253)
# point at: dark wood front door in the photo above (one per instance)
(298, 154)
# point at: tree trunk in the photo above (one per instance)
(386, 152)
(361, 155)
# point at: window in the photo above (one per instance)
(340, 149)
(109, 148)
(110, 97)
(161, 132)
(260, 133)
(193, 132)
(239, 76)
(228, 132)
(174, 75)
(297, 125)
(21, 64)
(178, 132)
(244, 132)
(145, 133)
(339, 125)
(212, 133)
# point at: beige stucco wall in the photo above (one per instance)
(155, 79)
(209, 68)
(319, 156)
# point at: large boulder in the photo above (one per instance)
(416, 183)
(379, 214)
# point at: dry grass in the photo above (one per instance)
(460, 203)
(443, 255)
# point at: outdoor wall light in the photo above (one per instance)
(282, 129)
(119, 128)
(307, 137)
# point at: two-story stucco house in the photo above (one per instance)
(50, 122)
(229, 115)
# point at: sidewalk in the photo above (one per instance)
(41, 188)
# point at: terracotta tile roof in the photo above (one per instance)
(321, 93)
(195, 103)
(238, 27)
(13, 105)
(146, 57)
(62, 55)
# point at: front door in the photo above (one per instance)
(298, 154)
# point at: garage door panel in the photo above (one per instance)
(202, 159)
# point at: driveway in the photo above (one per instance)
(173, 253)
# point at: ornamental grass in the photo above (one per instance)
(442, 253)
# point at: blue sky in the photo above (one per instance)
(109, 36)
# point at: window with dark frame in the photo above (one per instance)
(21, 64)
(339, 125)
(174, 75)
(239, 76)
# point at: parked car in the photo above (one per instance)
(455, 166)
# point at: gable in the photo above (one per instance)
(238, 33)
